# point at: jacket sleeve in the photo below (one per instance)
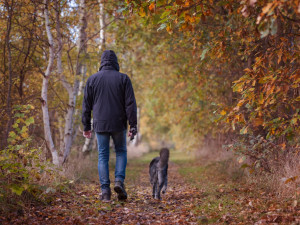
(87, 106)
(130, 103)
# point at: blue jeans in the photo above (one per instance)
(119, 139)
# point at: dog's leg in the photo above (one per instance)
(160, 183)
(164, 188)
(166, 181)
(154, 194)
(154, 189)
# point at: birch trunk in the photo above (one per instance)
(88, 144)
(44, 95)
(102, 25)
(80, 73)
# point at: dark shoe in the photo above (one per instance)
(120, 189)
(105, 196)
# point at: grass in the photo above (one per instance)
(217, 181)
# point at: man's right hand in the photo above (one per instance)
(87, 134)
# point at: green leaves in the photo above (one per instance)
(29, 121)
(17, 189)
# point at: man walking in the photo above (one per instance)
(109, 94)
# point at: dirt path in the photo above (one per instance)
(198, 193)
(83, 206)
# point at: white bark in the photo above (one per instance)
(102, 25)
(44, 94)
(80, 74)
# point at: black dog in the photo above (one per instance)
(158, 170)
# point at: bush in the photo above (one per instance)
(20, 163)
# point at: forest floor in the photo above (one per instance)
(198, 193)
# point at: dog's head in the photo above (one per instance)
(164, 154)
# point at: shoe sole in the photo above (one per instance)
(120, 192)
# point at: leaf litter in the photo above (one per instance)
(190, 199)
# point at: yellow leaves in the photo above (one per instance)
(238, 87)
(297, 81)
(244, 130)
(266, 9)
(142, 12)
(12, 134)
(294, 121)
(25, 135)
(261, 99)
(239, 118)
(240, 103)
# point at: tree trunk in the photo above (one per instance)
(102, 25)
(46, 120)
(80, 73)
(7, 43)
(88, 144)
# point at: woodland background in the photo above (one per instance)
(209, 76)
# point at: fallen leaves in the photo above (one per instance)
(218, 201)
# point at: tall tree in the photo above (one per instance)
(9, 7)
(88, 144)
(44, 95)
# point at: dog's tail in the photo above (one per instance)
(164, 157)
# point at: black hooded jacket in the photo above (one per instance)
(109, 94)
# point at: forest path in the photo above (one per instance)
(197, 193)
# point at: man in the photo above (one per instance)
(109, 94)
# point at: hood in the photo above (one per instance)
(109, 61)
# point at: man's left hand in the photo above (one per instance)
(87, 134)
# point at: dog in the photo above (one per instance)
(158, 170)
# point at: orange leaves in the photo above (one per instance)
(257, 122)
(223, 112)
(279, 56)
(267, 10)
(169, 29)
(179, 2)
(152, 7)
(189, 18)
(291, 179)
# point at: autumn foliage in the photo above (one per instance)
(203, 71)
(239, 62)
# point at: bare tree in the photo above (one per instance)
(44, 95)
(73, 91)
